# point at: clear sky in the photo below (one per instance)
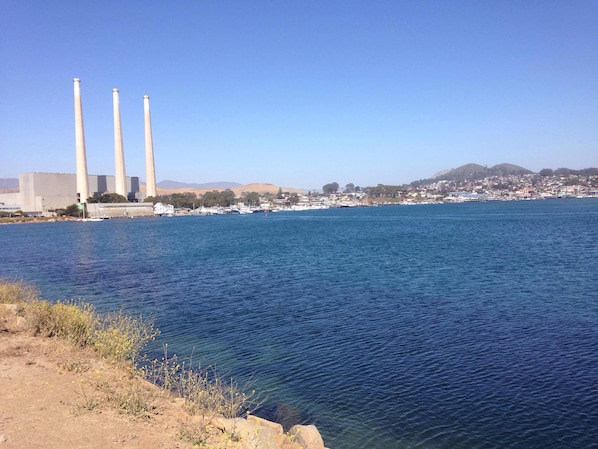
(300, 93)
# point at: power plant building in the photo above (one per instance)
(43, 193)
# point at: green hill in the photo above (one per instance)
(472, 172)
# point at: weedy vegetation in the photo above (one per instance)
(206, 393)
(16, 292)
(121, 338)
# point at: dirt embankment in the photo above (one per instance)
(55, 395)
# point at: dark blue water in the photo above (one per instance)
(447, 326)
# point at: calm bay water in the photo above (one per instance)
(466, 325)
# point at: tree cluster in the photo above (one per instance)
(569, 172)
(251, 198)
(216, 198)
(107, 198)
(330, 188)
(384, 191)
(71, 211)
(187, 200)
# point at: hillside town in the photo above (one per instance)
(464, 184)
(507, 187)
(528, 186)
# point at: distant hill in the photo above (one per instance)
(472, 172)
(475, 171)
(508, 169)
(166, 184)
(262, 188)
(200, 189)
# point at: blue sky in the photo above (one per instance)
(301, 93)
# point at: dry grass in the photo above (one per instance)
(74, 366)
(118, 337)
(72, 321)
(133, 400)
(205, 392)
(195, 432)
(114, 336)
(16, 292)
(100, 390)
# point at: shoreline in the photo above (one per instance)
(27, 220)
(56, 394)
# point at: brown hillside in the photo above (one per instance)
(264, 188)
(254, 187)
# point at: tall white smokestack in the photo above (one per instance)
(150, 168)
(81, 158)
(120, 178)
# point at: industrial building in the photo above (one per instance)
(41, 194)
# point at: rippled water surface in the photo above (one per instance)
(466, 325)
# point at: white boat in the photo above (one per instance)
(89, 219)
(164, 209)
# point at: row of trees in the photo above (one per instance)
(107, 198)
(214, 198)
(384, 191)
(186, 200)
(333, 188)
(568, 172)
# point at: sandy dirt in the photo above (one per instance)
(54, 395)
